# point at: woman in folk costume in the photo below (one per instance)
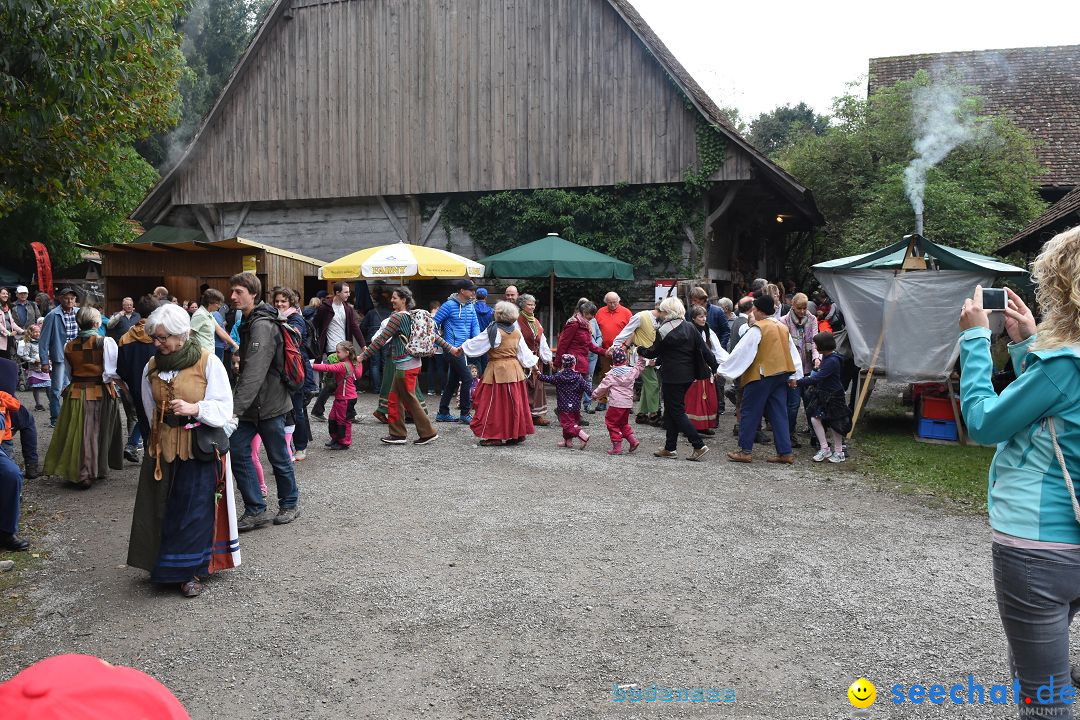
(184, 523)
(533, 333)
(501, 413)
(702, 400)
(87, 441)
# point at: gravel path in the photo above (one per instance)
(452, 581)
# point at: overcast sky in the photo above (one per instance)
(756, 56)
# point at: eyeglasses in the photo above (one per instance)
(160, 338)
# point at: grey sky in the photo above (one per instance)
(756, 56)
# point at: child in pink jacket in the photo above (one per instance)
(618, 385)
(347, 371)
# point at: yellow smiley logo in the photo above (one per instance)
(862, 693)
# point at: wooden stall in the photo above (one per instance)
(187, 268)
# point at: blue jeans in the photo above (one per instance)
(10, 492)
(60, 379)
(459, 374)
(794, 400)
(22, 422)
(436, 372)
(1038, 593)
(135, 440)
(302, 433)
(373, 369)
(593, 358)
(768, 395)
(272, 431)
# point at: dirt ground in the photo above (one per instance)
(452, 581)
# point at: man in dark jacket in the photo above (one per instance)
(135, 349)
(336, 321)
(261, 401)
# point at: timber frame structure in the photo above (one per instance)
(349, 123)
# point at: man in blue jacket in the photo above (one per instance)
(456, 320)
(57, 330)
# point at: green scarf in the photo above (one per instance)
(89, 333)
(533, 324)
(188, 354)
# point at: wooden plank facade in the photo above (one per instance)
(343, 107)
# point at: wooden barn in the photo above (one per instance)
(350, 123)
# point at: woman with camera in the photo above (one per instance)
(1035, 422)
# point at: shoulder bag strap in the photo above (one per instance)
(1064, 469)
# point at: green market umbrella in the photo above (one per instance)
(553, 257)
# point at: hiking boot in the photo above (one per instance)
(664, 453)
(740, 456)
(32, 471)
(394, 440)
(788, 459)
(131, 454)
(287, 515)
(445, 417)
(698, 453)
(425, 441)
(253, 522)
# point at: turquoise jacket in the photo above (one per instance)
(1027, 496)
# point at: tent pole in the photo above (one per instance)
(551, 307)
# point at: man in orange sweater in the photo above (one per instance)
(611, 318)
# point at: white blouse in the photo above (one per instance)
(216, 407)
(479, 345)
(109, 352)
(742, 357)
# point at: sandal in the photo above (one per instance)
(192, 588)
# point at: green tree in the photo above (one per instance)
(983, 191)
(77, 78)
(773, 131)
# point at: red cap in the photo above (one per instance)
(82, 687)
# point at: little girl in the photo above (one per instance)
(347, 371)
(475, 373)
(618, 385)
(826, 405)
(37, 379)
(569, 386)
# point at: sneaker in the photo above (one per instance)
(286, 515)
(300, 455)
(394, 440)
(465, 419)
(446, 417)
(823, 454)
(131, 454)
(698, 453)
(425, 441)
(253, 522)
(837, 457)
(663, 453)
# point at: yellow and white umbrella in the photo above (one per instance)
(403, 261)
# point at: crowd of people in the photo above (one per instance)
(205, 386)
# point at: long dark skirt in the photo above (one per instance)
(174, 522)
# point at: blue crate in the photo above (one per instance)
(938, 429)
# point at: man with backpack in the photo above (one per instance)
(261, 400)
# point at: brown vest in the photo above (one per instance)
(503, 365)
(86, 358)
(773, 353)
(189, 385)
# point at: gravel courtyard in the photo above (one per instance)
(451, 581)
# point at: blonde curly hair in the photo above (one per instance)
(1056, 274)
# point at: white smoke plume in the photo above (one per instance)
(941, 122)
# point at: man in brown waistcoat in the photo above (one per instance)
(765, 363)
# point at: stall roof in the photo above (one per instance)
(947, 258)
(179, 244)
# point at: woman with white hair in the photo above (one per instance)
(184, 523)
(501, 414)
(88, 439)
(683, 356)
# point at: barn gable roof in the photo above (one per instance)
(181, 185)
(1060, 216)
(1038, 88)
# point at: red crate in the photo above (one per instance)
(938, 408)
